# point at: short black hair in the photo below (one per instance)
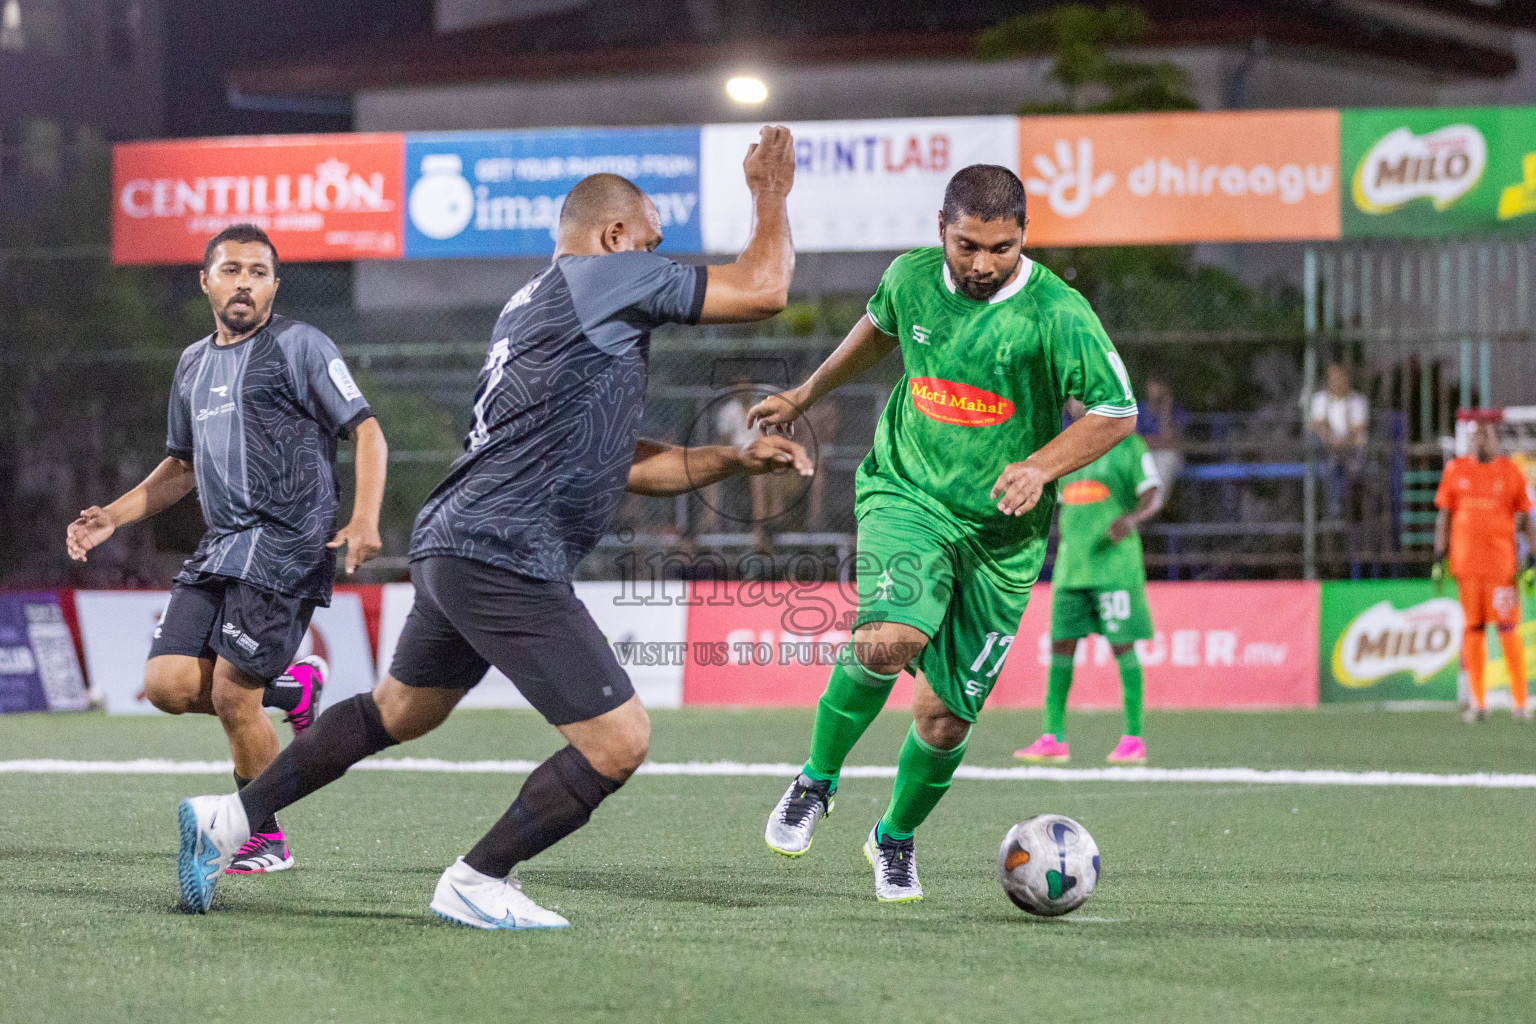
(600, 198)
(986, 192)
(240, 233)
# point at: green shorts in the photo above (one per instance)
(911, 569)
(1119, 616)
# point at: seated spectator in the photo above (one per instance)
(1160, 422)
(1339, 424)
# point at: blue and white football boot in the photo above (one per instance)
(466, 896)
(213, 828)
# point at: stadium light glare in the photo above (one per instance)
(746, 89)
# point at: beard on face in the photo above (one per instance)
(981, 288)
(239, 319)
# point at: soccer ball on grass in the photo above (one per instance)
(1048, 865)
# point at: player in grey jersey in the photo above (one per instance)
(255, 413)
(554, 446)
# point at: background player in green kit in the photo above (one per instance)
(954, 500)
(1100, 586)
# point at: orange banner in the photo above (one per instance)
(1139, 179)
(320, 197)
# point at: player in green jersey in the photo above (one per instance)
(1100, 586)
(954, 500)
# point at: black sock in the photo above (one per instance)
(283, 693)
(558, 798)
(267, 824)
(348, 732)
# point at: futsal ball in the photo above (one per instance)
(1048, 865)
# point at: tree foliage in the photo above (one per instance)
(1079, 39)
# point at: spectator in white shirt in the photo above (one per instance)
(1340, 422)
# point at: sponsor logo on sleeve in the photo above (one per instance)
(1384, 640)
(959, 404)
(1084, 492)
(342, 378)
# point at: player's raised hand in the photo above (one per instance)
(773, 453)
(776, 412)
(1019, 486)
(770, 162)
(92, 528)
(362, 540)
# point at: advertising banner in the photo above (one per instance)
(1440, 171)
(1217, 645)
(1139, 179)
(118, 626)
(38, 667)
(319, 197)
(858, 184)
(1382, 640)
(500, 193)
(647, 636)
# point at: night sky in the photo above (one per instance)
(204, 38)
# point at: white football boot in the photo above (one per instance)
(803, 804)
(213, 828)
(468, 897)
(895, 864)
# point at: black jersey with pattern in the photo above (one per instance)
(259, 421)
(557, 414)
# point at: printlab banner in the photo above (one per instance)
(38, 667)
(1439, 171)
(500, 193)
(319, 197)
(1217, 645)
(858, 184)
(118, 626)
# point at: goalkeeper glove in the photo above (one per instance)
(1437, 575)
(1528, 580)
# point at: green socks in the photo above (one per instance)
(923, 774)
(1060, 682)
(1130, 682)
(853, 698)
(1057, 685)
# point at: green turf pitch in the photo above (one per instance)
(1218, 902)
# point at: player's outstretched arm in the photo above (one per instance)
(166, 484)
(1020, 485)
(361, 534)
(756, 286)
(864, 346)
(661, 469)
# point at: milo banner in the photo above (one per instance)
(1438, 171)
(1382, 640)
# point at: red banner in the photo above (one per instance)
(1217, 645)
(320, 197)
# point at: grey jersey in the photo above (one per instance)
(259, 421)
(557, 414)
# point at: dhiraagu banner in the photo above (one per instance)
(1438, 171)
(1387, 640)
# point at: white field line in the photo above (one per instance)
(738, 769)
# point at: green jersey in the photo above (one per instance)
(1091, 499)
(984, 386)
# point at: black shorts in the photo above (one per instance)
(255, 630)
(469, 616)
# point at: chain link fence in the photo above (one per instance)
(87, 354)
